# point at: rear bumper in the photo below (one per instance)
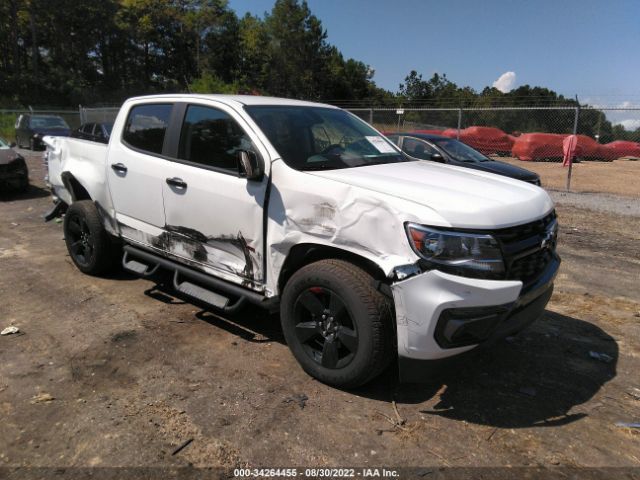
(441, 318)
(13, 178)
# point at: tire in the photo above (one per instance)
(88, 243)
(352, 343)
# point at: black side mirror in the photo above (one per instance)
(436, 157)
(250, 165)
(12, 145)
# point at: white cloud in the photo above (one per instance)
(629, 124)
(506, 82)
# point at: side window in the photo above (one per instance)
(394, 138)
(418, 148)
(146, 126)
(212, 138)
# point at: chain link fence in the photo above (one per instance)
(527, 133)
(98, 114)
(9, 118)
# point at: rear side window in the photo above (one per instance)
(210, 137)
(146, 127)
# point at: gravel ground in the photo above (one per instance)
(599, 202)
(617, 177)
(121, 372)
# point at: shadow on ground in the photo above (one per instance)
(31, 192)
(533, 379)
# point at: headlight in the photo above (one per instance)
(466, 254)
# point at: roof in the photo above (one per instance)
(235, 99)
(424, 136)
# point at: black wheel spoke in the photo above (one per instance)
(330, 354)
(336, 307)
(306, 331)
(76, 246)
(312, 303)
(348, 338)
(74, 226)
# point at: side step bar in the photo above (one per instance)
(211, 297)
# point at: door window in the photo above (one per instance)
(146, 127)
(211, 138)
(418, 148)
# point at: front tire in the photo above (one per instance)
(337, 325)
(87, 241)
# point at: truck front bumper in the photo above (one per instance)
(441, 316)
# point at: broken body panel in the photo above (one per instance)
(243, 231)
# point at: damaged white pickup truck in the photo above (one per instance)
(370, 256)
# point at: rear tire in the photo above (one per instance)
(337, 325)
(88, 243)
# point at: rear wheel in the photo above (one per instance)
(87, 241)
(337, 325)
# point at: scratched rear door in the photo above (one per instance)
(213, 216)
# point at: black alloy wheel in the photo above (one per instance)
(325, 328)
(81, 244)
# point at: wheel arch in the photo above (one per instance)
(306, 253)
(74, 187)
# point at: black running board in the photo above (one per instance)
(207, 289)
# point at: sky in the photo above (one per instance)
(576, 47)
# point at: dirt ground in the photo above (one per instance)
(120, 372)
(619, 177)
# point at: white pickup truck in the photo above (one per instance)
(370, 256)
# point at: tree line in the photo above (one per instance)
(69, 52)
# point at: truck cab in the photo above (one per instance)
(369, 256)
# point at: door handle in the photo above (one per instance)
(176, 182)
(119, 167)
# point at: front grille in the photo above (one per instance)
(525, 255)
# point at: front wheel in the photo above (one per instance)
(337, 325)
(87, 241)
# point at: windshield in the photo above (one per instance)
(317, 138)
(460, 151)
(48, 122)
(3, 143)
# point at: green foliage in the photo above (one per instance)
(7, 130)
(209, 83)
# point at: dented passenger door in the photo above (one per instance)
(214, 217)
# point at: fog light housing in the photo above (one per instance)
(459, 327)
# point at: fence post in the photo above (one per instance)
(459, 123)
(80, 114)
(371, 116)
(575, 132)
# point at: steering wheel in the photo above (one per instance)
(331, 147)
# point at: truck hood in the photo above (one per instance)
(463, 198)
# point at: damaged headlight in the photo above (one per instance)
(465, 254)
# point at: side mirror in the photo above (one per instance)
(436, 157)
(250, 165)
(12, 145)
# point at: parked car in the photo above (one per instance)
(94, 132)
(423, 146)
(488, 140)
(620, 149)
(303, 208)
(30, 129)
(14, 175)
